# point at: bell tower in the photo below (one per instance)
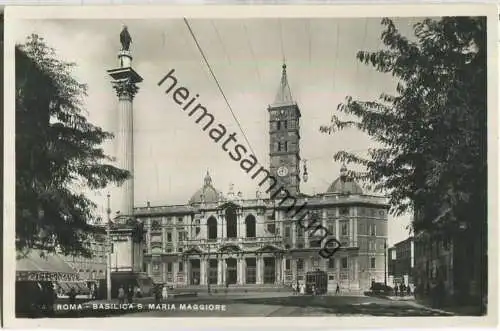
(284, 138)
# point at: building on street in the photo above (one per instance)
(456, 260)
(220, 239)
(401, 262)
(92, 268)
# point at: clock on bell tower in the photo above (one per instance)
(284, 138)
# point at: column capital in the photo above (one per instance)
(125, 88)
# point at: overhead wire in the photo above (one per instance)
(219, 37)
(309, 39)
(365, 31)
(336, 55)
(363, 48)
(218, 85)
(252, 53)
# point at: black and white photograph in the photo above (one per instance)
(287, 164)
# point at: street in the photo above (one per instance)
(286, 305)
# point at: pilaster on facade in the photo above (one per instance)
(355, 234)
(163, 269)
(306, 239)
(239, 272)
(163, 240)
(187, 276)
(220, 272)
(260, 269)
(283, 268)
(351, 231)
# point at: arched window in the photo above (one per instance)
(212, 228)
(231, 222)
(250, 226)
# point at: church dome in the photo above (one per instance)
(344, 184)
(207, 193)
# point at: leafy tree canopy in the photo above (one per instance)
(58, 152)
(432, 131)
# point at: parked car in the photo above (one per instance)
(381, 289)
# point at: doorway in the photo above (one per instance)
(195, 272)
(269, 270)
(232, 274)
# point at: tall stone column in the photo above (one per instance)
(260, 270)
(278, 264)
(243, 271)
(203, 270)
(351, 231)
(283, 269)
(220, 271)
(187, 272)
(125, 81)
(239, 270)
(337, 228)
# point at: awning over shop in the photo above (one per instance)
(80, 287)
(50, 267)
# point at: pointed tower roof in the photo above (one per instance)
(284, 95)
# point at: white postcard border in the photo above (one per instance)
(241, 11)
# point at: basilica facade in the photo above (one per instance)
(225, 239)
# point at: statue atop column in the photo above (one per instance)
(125, 39)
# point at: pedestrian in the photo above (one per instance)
(401, 289)
(433, 294)
(294, 288)
(302, 288)
(408, 290)
(121, 295)
(130, 295)
(440, 293)
(164, 293)
(337, 290)
(51, 299)
(313, 289)
(157, 294)
(138, 293)
(72, 295)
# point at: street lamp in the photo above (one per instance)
(208, 269)
(305, 175)
(385, 262)
(108, 245)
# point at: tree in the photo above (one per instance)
(58, 152)
(432, 132)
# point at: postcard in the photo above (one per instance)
(251, 166)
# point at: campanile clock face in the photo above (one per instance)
(282, 171)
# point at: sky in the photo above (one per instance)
(172, 153)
